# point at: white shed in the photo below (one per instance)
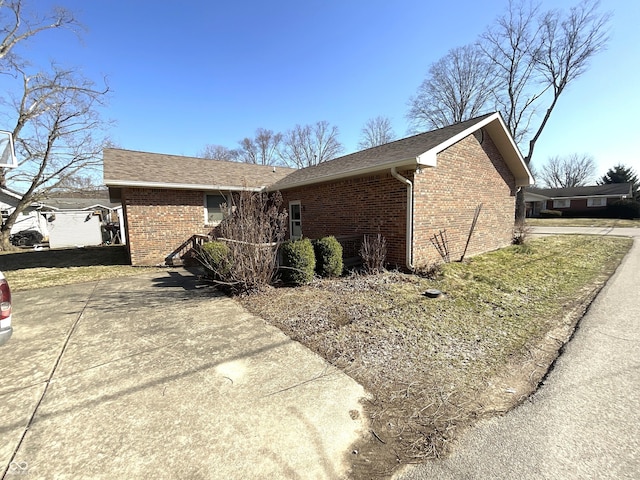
(71, 228)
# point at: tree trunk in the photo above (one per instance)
(520, 205)
(5, 243)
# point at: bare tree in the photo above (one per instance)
(261, 149)
(16, 27)
(534, 56)
(377, 131)
(458, 87)
(537, 54)
(218, 152)
(309, 145)
(571, 171)
(53, 114)
(244, 257)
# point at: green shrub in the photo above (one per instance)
(550, 213)
(624, 209)
(328, 257)
(299, 261)
(215, 257)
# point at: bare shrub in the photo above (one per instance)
(374, 253)
(253, 227)
(430, 270)
(521, 232)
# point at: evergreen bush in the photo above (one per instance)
(328, 257)
(215, 257)
(299, 261)
(628, 209)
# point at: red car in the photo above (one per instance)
(5, 311)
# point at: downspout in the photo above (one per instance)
(409, 240)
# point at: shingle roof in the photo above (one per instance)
(77, 203)
(612, 189)
(132, 168)
(381, 157)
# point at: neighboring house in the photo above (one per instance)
(67, 219)
(30, 219)
(80, 218)
(576, 201)
(167, 198)
(407, 190)
(8, 201)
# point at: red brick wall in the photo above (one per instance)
(445, 198)
(579, 205)
(357, 206)
(159, 220)
(467, 174)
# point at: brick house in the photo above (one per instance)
(168, 198)
(407, 190)
(589, 201)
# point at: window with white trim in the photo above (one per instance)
(212, 208)
(596, 202)
(295, 220)
(562, 203)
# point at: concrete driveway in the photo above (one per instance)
(153, 377)
(583, 422)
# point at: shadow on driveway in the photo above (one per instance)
(162, 377)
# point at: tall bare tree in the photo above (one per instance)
(218, 152)
(534, 55)
(262, 149)
(377, 131)
(458, 87)
(537, 55)
(308, 145)
(571, 171)
(18, 27)
(53, 112)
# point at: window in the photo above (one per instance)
(295, 220)
(213, 211)
(562, 203)
(596, 202)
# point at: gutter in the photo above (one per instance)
(179, 186)
(409, 239)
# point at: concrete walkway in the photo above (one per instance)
(583, 422)
(161, 379)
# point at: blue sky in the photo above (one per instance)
(184, 74)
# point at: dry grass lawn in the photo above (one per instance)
(434, 366)
(28, 269)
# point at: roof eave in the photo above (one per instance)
(410, 163)
(179, 186)
(579, 197)
(499, 133)
(536, 196)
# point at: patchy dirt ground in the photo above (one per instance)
(435, 366)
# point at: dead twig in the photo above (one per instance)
(377, 437)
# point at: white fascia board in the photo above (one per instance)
(529, 195)
(9, 193)
(430, 157)
(619, 195)
(179, 186)
(97, 206)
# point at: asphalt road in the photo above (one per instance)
(583, 422)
